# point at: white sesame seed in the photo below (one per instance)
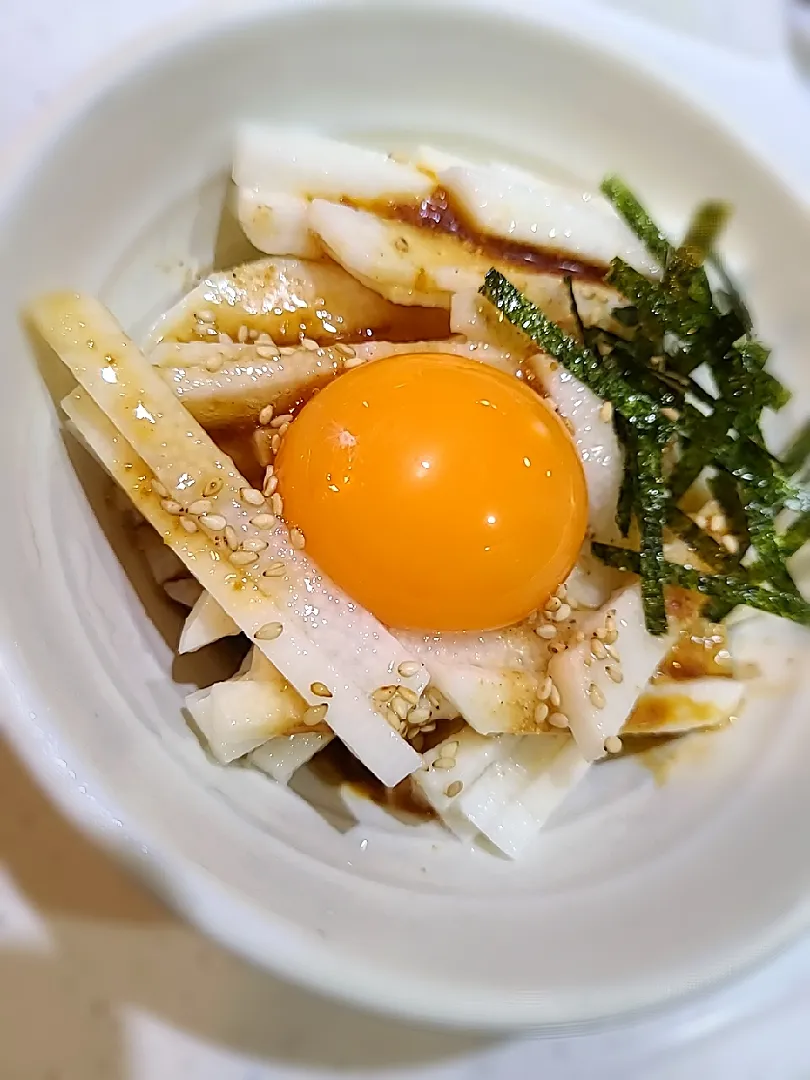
(449, 748)
(269, 632)
(556, 647)
(346, 350)
(540, 713)
(171, 507)
(611, 637)
(214, 363)
(400, 706)
(597, 698)
(231, 538)
(410, 695)
(242, 335)
(263, 521)
(614, 673)
(408, 668)
(268, 476)
(561, 592)
(277, 504)
(444, 763)
(554, 697)
(315, 714)
(214, 522)
(612, 653)
(243, 558)
(213, 487)
(429, 727)
(297, 539)
(454, 789)
(606, 411)
(201, 506)
(159, 489)
(275, 443)
(206, 315)
(613, 744)
(251, 496)
(579, 637)
(598, 649)
(252, 334)
(189, 524)
(419, 715)
(383, 694)
(554, 603)
(280, 421)
(225, 339)
(254, 545)
(282, 431)
(434, 696)
(266, 352)
(266, 415)
(320, 689)
(600, 633)
(545, 688)
(546, 630)
(563, 613)
(270, 485)
(559, 720)
(309, 344)
(275, 569)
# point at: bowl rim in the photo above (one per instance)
(187, 887)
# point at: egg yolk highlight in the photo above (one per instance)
(439, 493)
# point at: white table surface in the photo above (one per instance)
(98, 981)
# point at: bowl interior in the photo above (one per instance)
(639, 891)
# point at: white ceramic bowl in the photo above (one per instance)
(638, 894)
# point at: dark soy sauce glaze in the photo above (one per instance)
(438, 212)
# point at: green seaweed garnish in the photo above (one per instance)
(729, 589)
(667, 329)
(653, 496)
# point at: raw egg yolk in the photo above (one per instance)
(439, 493)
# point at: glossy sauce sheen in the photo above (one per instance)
(439, 212)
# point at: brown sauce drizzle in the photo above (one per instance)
(438, 212)
(336, 765)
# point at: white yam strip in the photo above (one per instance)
(509, 203)
(595, 439)
(398, 261)
(381, 749)
(244, 382)
(672, 708)
(206, 623)
(492, 701)
(597, 706)
(238, 391)
(276, 223)
(280, 758)
(495, 802)
(240, 714)
(285, 298)
(465, 755)
(186, 463)
(516, 648)
(514, 826)
(314, 166)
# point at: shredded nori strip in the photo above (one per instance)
(674, 326)
(726, 492)
(628, 492)
(797, 454)
(727, 588)
(629, 208)
(653, 496)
